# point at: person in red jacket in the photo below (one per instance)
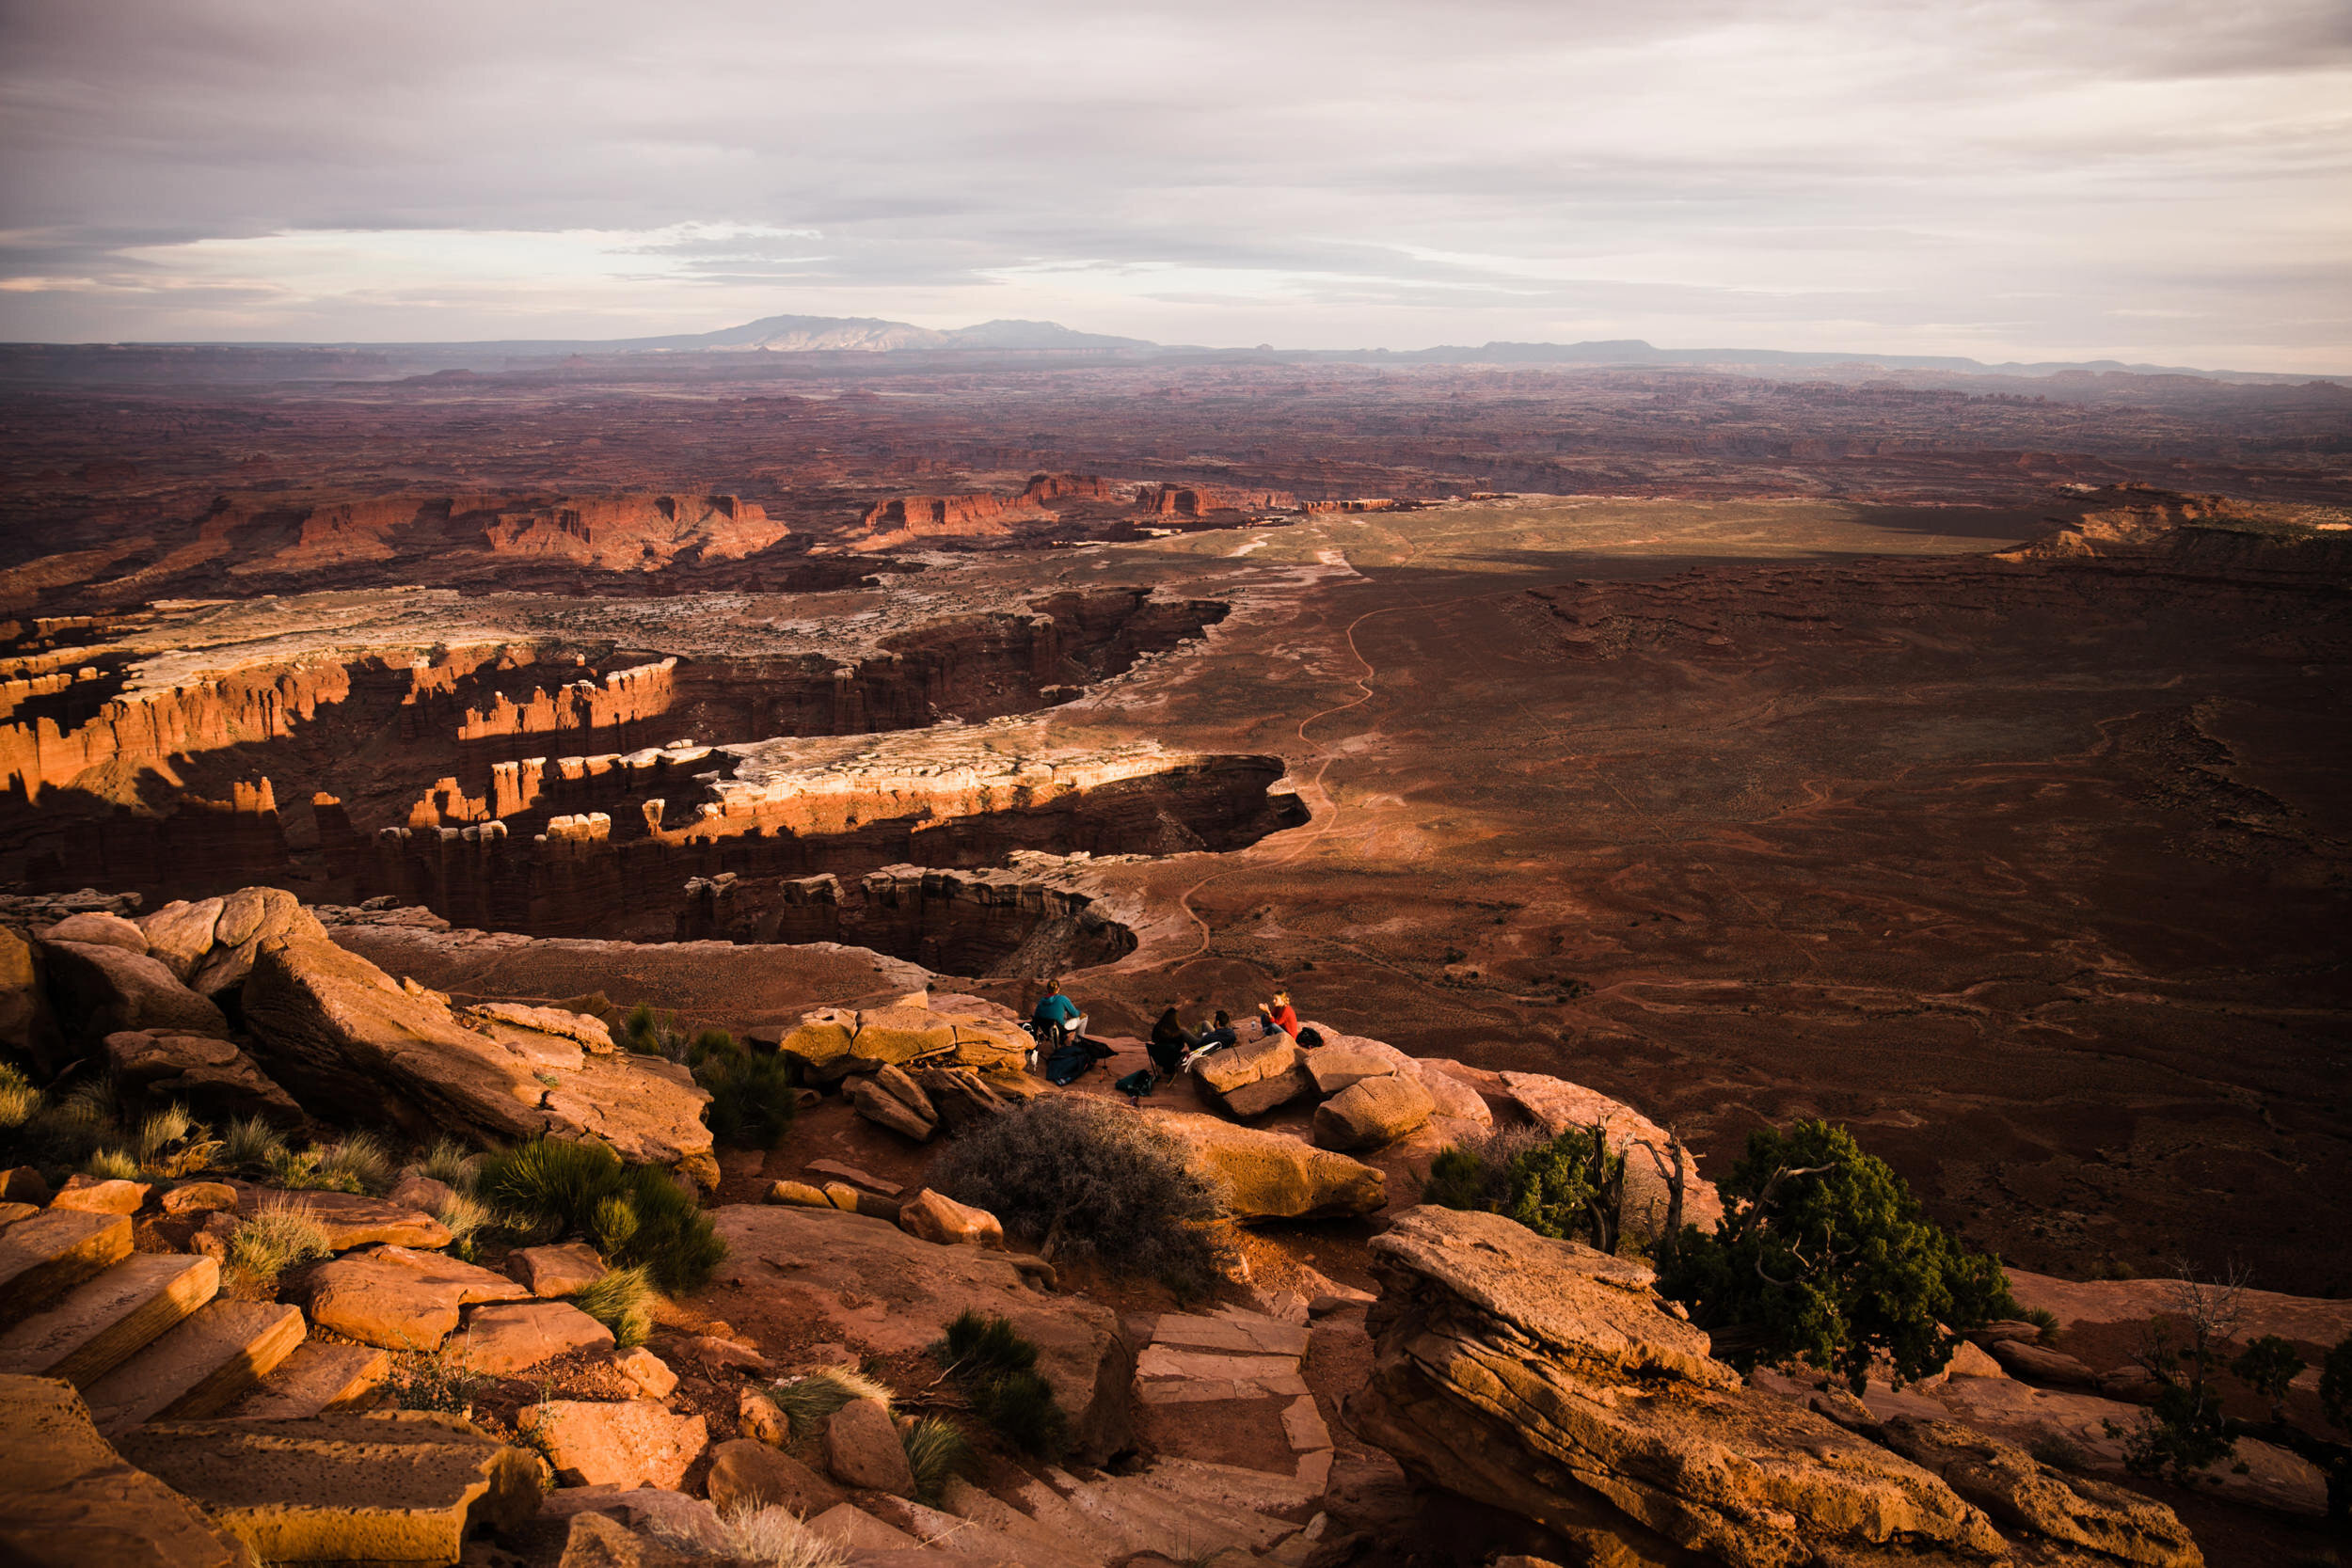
(1279, 1014)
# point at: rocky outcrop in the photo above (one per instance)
(886, 1292)
(1372, 1113)
(349, 1041)
(832, 1043)
(1272, 1176)
(1548, 1379)
(100, 989)
(1559, 1106)
(209, 1075)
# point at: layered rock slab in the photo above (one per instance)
(1545, 1378)
(1266, 1175)
(399, 1487)
(68, 1499)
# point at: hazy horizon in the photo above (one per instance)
(2129, 180)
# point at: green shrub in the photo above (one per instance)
(752, 1095)
(621, 1300)
(1825, 1256)
(555, 1180)
(937, 1454)
(2335, 1383)
(1571, 1187)
(282, 1235)
(997, 1369)
(1078, 1172)
(631, 1213)
(356, 1162)
(465, 1218)
(2268, 1366)
(808, 1400)
(647, 1033)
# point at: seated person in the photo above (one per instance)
(1171, 1045)
(1220, 1034)
(1279, 1014)
(1058, 1015)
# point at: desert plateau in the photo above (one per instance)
(897, 935)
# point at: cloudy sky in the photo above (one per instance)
(2153, 180)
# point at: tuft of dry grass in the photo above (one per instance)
(278, 1236)
(773, 1536)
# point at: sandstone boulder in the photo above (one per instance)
(99, 929)
(248, 917)
(1372, 1113)
(2020, 1492)
(963, 1097)
(93, 1194)
(888, 1291)
(27, 1023)
(68, 1500)
(1264, 1175)
(1253, 1079)
(421, 1192)
(762, 1418)
(208, 1074)
(798, 1195)
(646, 1373)
(198, 1198)
(400, 1298)
(509, 1337)
(349, 1041)
(878, 1102)
(180, 933)
(938, 1218)
(401, 1486)
(1548, 1379)
(1458, 1099)
(636, 1444)
(673, 1519)
(863, 1450)
(832, 1043)
(589, 1034)
(2041, 1364)
(556, 1271)
(1335, 1068)
(748, 1474)
(100, 990)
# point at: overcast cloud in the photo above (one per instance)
(2143, 179)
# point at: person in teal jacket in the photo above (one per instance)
(1057, 1013)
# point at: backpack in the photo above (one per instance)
(1137, 1083)
(1069, 1063)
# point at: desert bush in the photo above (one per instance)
(621, 1300)
(435, 1380)
(276, 1237)
(449, 1162)
(112, 1164)
(1571, 1187)
(2045, 1319)
(647, 1033)
(2335, 1383)
(467, 1219)
(752, 1093)
(775, 1537)
(2184, 1430)
(357, 1162)
(1825, 1256)
(937, 1454)
(1082, 1174)
(171, 1144)
(997, 1369)
(2266, 1366)
(631, 1213)
(251, 1145)
(19, 1101)
(808, 1400)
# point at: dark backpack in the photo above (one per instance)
(1069, 1063)
(1137, 1083)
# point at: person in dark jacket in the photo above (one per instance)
(1222, 1034)
(1170, 1045)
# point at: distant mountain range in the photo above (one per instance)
(772, 336)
